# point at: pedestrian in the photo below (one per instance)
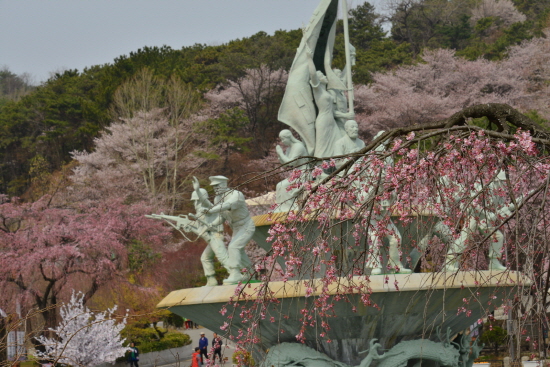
(216, 347)
(203, 345)
(184, 323)
(133, 355)
(196, 358)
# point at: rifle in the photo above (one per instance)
(182, 223)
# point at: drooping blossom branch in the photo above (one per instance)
(487, 189)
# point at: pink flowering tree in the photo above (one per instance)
(504, 10)
(445, 84)
(145, 157)
(83, 337)
(47, 250)
(487, 187)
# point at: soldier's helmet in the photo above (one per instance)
(216, 180)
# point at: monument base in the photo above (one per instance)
(404, 307)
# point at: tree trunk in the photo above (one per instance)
(3, 340)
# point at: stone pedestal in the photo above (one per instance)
(408, 306)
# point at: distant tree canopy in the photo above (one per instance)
(69, 110)
(13, 86)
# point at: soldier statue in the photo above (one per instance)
(231, 205)
(209, 227)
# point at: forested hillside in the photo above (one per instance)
(91, 151)
(69, 110)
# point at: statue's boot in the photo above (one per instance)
(235, 276)
(376, 271)
(494, 264)
(451, 263)
(375, 265)
(395, 261)
(404, 270)
(211, 281)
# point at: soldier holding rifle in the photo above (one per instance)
(206, 225)
(231, 205)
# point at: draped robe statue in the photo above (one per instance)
(314, 89)
(285, 198)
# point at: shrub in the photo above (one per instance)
(170, 340)
(495, 337)
(147, 339)
(139, 335)
(242, 358)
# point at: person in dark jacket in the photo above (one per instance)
(203, 346)
(133, 355)
(216, 348)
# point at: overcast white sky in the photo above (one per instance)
(43, 36)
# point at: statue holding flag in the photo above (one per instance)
(327, 131)
(312, 104)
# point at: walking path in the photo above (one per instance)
(179, 357)
(187, 351)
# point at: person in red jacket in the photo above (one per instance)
(196, 358)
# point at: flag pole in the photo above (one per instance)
(348, 57)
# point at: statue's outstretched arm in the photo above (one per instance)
(519, 200)
(508, 210)
(313, 78)
(344, 115)
(202, 198)
(222, 206)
